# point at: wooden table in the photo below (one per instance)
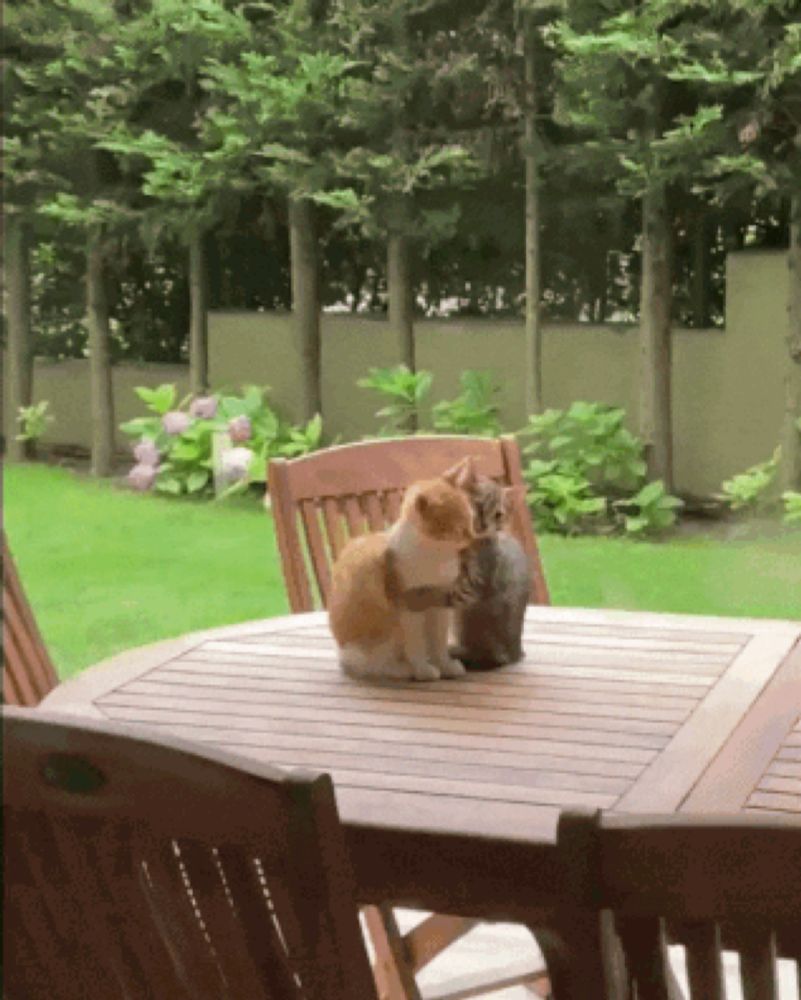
(450, 791)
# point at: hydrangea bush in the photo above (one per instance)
(174, 443)
(586, 473)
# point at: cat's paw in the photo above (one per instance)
(398, 671)
(424, 670)
(451, 667)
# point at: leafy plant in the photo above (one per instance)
(560, 498)
(792, 506)
(33, 421)
(583, 466)
(405, 391)
(650, 510)
(749, 490)
(590, 440)
(175, 450)
(474, 410)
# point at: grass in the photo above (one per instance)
(106, 570)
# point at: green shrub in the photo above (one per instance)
(405, 391)
(750, 490)
(582, 467)
(649, 511)
(560, 498)
(474, 410)
(33, 421)
(792, 506)
(175, 445)
(590, 439)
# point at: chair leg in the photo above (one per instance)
(399, 957)
(571, 980)
(433, 935)
(393, 974)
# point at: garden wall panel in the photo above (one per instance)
(65, 384)
(727, 383)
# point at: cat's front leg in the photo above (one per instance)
(415, 646)
(438, 623)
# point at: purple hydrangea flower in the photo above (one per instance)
(141, 477)
(240, 429)
(175, 422)
(236, 462)
(146, 453)
(203, 407)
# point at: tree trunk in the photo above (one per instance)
(655, 337)
(198, 315)
(700, 251)
(306, 300)
(533, 326)
(400, 295)
(790, 472)
(400, 302)
(102, 394)
(19, 348)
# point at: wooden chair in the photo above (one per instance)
(706, 883)
(318, 503)
(28, 671)
(322, 499)
(140, 866)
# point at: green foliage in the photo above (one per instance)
(160, 400)
(590, 439)
(175, 447)
(33, 421)
(792, 506)
(405, 390)
(651, 510)
(582, 466)
(560, 498)
(750, 489)
(474, 410)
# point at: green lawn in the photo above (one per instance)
(106, 569)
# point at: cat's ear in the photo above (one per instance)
(421, 503)
(462, 475)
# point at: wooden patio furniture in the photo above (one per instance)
(318, 502)
(28, 671)
(637, 884)
(139, 866)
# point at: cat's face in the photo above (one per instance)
(490, 507)
(441, 511)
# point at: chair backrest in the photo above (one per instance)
(28, 671)
(321, 500)
(707, 883)
(138, 866)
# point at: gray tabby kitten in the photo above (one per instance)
(492, 590)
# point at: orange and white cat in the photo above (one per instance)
(376, 636)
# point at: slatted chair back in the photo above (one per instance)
(28, 671)
(707, 883)
(139, 866)
(321, 500)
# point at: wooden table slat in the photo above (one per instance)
(654, 673)
(433, 737)
(387, 728)
(500, 683)
(280, 690)
(379, 711)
